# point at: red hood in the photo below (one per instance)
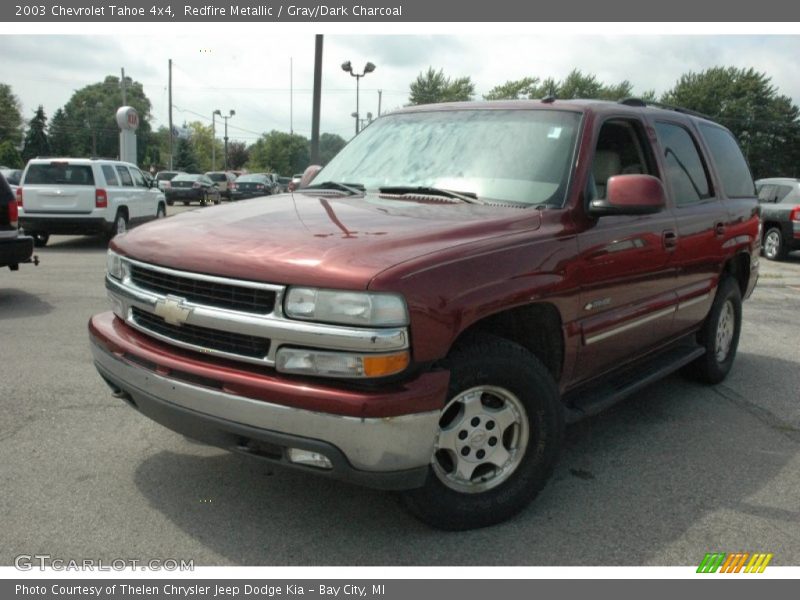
(340, 242)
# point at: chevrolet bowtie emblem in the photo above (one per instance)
(172, 310)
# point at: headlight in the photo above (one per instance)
(349, 308)
(114, 265)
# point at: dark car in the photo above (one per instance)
(14, 248)
(779, 199)
(165, 177)
(252, 185)
(188, 188)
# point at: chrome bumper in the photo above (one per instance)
(388, 453)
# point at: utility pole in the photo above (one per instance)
(170, 114)
(317, 100)
(380, 94)
(291, 97)
(122, 85)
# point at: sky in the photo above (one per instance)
(248, 71)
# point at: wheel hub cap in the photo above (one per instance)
(725, 327)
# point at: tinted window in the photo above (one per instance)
(125, 176)
(731, 165)
(59, 173)
(110, 175)
(685, 169)
(218, 177)
(180, 178)
(165, 175)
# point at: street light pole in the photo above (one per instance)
(226, 117)
(348, 68)
(214, 139)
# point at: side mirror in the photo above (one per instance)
(630, 195)
(308, 175)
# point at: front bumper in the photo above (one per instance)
(386, 452)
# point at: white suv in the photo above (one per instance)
(75, 196)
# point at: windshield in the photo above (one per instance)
(515, 155)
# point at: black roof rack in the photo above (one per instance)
(548, 99)
(643, 103)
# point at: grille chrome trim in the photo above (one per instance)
(277, 328)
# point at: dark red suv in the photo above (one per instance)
(459, 282)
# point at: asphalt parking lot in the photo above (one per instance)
(675, 472)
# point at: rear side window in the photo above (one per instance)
(110, 175)
(59, 173)
(766, 193)
(685, 169)
(125, 176)
(782, 193)
(731, 165)
(218, 177)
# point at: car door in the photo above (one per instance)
(627, 295)
(145, 200)
(701, 218)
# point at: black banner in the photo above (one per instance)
(398, 11)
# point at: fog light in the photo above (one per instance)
(308, 458)
(339, 364)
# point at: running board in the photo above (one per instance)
(597, 396)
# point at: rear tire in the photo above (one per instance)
(161, 212)
(120, 224)
(775, 247)
(499, 437)
(720, 334)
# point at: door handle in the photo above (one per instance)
(719, 228)
(669, 238)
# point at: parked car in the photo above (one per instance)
(224, 181)
(84, 196)
(14, 248)
(165, 177)
(252, 185)
(426, 317)
(12, 176)
(188, 188)
(283, 183)
(779, 199)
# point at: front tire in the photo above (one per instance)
(120, 224)
(720, 334)
(774, 245)
(161, 212)
(499, 437)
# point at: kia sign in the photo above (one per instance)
(128, 118)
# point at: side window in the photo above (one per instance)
(125, 176)
(138, 179)
(766, 193)
(110, 175)
(781, 191)
(733, 171)
(620, 150)
(686, 172)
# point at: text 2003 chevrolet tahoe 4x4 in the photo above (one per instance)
(459, 282)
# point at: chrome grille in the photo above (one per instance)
(202, 337)
(210, 293)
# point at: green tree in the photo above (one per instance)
(185, 157)
(36, 141)
(238, 155)
(10, 116)
(90, 118)
(201, 140)
(432, 86)
(60, 136)
(575, 85)
(329, 146)
(279, 152)
(9, 157)
(766, 123)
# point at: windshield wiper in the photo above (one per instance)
(351, 188)
(468, 197)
